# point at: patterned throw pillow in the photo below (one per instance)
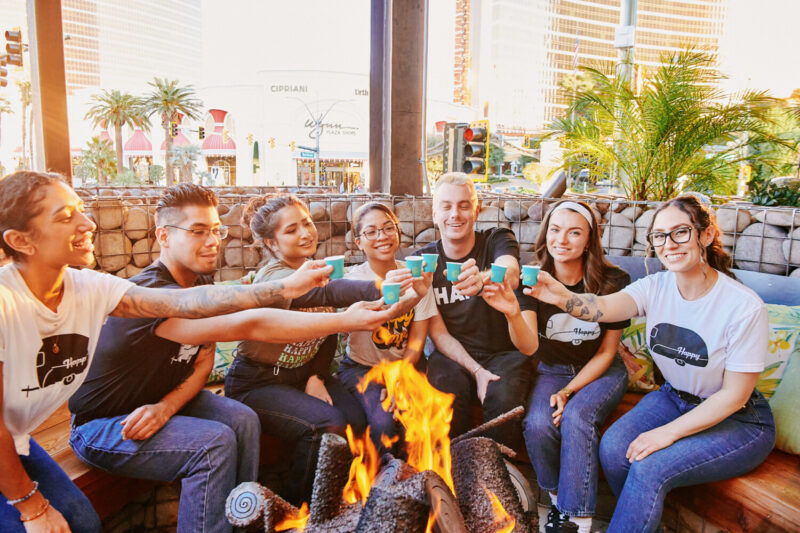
(633, 349)
(784, 339)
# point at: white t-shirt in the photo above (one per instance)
(694, 342)
(389, 341)
(46, 355)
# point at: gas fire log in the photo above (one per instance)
(445, 506)
(333, 469)
(513, 414)
(253, 507)
(392, 471)
(386, 512)
(478, 467)
(345, 522)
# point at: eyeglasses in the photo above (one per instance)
(678, 235)
(202, 233)
(390, 230)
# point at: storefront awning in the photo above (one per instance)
(138, 145)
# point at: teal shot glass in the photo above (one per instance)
(391, 293)
(453, 271)
(337, 262)
(430, 262)
(498, 273)
(529, 275)
(414, 263)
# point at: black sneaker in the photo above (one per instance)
(554, 520)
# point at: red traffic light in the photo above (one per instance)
(474, 134)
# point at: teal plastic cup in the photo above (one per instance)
(337, 262)
(453, 271)
(391, 293)
(414, 263)
(529, 275)
(430, 262)
(498, 273)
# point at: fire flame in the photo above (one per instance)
(432, 517)
(424, 412)
(297, 522)
(504, 521)
(363, 469)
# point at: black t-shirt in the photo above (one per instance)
(475, 324)
(564, 339)
(133, 366)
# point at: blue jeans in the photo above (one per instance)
(565, 458)
(503, 395)
(212, 443)
(56, 486)
(731, 448)
(278, 396)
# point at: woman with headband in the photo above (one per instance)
(581, 379)
(707, 333)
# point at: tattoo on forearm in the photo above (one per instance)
(584, 306)
(197, 302)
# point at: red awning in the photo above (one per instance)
(213, 145)
(138, 145)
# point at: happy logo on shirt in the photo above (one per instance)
(681, 344)
(60, 359)
(563, 327)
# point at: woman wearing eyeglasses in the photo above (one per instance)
(707, 333)
(377, 234)
(290, 386)
(580, 377)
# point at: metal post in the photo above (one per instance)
(316, 154)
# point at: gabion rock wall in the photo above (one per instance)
(758, 238)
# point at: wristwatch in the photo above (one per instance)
(568, 392)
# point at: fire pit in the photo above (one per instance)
(463, 489)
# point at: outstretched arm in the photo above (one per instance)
(275, 325)
(522, 326)
(211, 300)
(590, 307)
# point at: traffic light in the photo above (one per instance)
(453, 152)
(14, 46)
(526, 141)
(476, 150)
(225, 137)
(201, 132)
(173, 129)
(291, 146)
(3, 71)
(272, 142)
(249, 139)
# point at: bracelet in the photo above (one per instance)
(27, 496)
(568, 392)
(39, 513)
(478, 368)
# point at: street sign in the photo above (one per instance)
(307, 154)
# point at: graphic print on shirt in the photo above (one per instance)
(443, 298)
(681, 344)
(60, 359)
(564, 327)
(394, 333)
(185, 354)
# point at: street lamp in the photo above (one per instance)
(317, 121)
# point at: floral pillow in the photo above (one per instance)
(633, 349)
(784, 338)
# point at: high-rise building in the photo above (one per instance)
(523, 51)
(124, 44)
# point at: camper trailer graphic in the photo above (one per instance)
(683, 345)
(60, 359)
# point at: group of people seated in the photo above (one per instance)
(132, 356)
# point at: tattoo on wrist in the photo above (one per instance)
(583, 306)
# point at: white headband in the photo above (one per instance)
(578, 208)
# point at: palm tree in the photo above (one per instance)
(116, 109)
(184, 158)
(25, 100)
(169, 100)
(667, 130)
(99, 154)
(5, 107)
